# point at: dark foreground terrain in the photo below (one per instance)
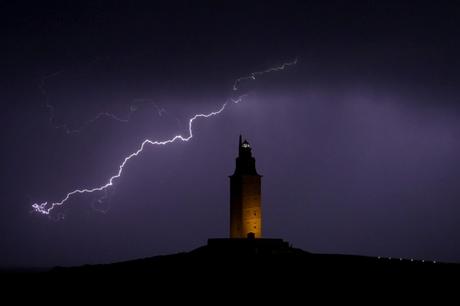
(237, 267)
(233, 257)
(261, 260)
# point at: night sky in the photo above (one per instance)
(358, 143)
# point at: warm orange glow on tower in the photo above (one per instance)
(245, 204)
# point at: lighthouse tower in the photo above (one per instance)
(245, 204)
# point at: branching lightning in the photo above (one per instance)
(65, 127)
(133, 107)
(45, 208)
(253, 75)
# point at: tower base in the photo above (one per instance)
(246, 246)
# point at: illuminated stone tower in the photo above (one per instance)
(245, 205)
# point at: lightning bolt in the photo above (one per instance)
(252, 76)
(42, 207)
(45, 208)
